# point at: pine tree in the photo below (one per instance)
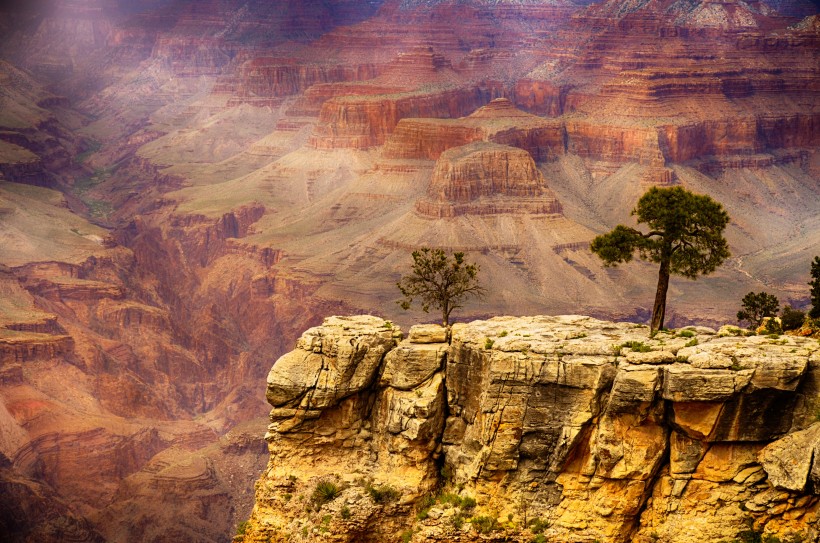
(685, 237)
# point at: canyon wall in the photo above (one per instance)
(565, 428)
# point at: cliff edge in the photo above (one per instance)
(541, 429)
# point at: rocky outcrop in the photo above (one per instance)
(360, 122)
(499, 121)
(486, 178)
(578, 428)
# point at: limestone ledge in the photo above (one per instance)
(592, 427)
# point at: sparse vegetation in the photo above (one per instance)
(691, 343)
(439, 280)
(485, 524)
(538, 525)
(325, 491)
(488, 343)
(685, 237)
(686, 333)
(757, 306)
(637, 346)
(242, 527)
(382, 494)
(344, 512)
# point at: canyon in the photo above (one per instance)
(185, 188)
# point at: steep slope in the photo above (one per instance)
(567, 426)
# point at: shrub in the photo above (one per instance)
(383, 494)
(637, 346)
(538, 525)
(692, 342)
(325, 491)
(792, 319)
(242, 527)
(468, 502)
(488, 343)
(449, 498)
(345, 512)
(771, 326)
(406, 536)
(755, 307)
(484, 524)
(540, 538)
(457, 521)
(686, 333)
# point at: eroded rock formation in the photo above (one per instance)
(590, 427)
(486, 178)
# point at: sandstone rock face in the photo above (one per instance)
(486, 178)
(591, 427)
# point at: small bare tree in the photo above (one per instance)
(440, 281)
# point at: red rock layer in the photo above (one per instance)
(486, 178)
(499, 122)
(360, 122)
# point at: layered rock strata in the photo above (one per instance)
(589, 428)
(486, 178)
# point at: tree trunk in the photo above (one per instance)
(659, 309)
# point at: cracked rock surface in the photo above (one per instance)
(591, 427)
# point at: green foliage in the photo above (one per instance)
(344, 512)
(814, 293)
(637, 346)
(457, 521)
(485, 524)
(440, 281)
(772, 327)
(691, 343)
(488, 343)
(406, 536)
(685, 237)
(792, 319)
(242, 527)
(382, 494)
(538, 525)
(756, 307)
(325, 491)
(686, 333)
(450, 498)
(540, 538)
(503, 333)
(468, 502)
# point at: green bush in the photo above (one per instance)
(538, 525)
(686, 333)
(242, 527)
(383, 494)
(637, 346)
(344, 512)
(468, 502)
(792, 319)
(485, 524)
(540, 538)
(325, 491)
(488, 343)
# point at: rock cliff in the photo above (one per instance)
(569, 427)
(486, 178)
